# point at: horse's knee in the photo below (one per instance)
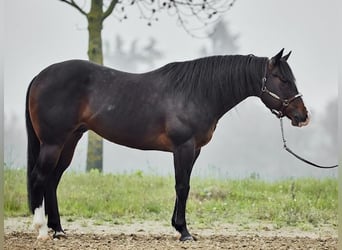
(182, 191)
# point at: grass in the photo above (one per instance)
(136, 197)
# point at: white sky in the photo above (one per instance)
(41, 32)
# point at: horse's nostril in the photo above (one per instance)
(296, 118)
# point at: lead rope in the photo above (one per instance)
(297, 156)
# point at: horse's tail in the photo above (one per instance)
(33, 147)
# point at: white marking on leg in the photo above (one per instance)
(39, 222)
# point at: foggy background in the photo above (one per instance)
(247, 141)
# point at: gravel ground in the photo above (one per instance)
(87, 234)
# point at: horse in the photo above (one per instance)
(174, 108)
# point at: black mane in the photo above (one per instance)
(216, 77)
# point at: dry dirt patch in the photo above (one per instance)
(86, 234)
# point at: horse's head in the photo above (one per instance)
(279, 91)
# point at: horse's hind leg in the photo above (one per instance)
(50, 196)
(47, 161)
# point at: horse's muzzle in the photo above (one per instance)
(300, 120)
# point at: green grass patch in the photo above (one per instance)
(123, 198)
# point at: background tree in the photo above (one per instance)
(203, 12)
(137, 56)
(222, 41)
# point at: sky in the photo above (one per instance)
(41, 32)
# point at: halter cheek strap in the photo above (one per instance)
(280, 114)
(284, 102)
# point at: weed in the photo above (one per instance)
(124, 198)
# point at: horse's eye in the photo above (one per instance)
(282, 79)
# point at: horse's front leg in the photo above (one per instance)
(184, 158)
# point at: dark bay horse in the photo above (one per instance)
(174, 108)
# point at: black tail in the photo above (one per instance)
(33, 146)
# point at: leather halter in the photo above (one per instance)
(284, 102)
(280, 114)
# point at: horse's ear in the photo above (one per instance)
(276, 59)
(287, 56)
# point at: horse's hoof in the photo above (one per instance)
(187, 238)
(59, 235)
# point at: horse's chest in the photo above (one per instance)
(204, 138)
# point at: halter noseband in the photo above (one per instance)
(284, 102)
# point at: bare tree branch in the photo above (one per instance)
(73, 4)
(109, 9)
(206, 12)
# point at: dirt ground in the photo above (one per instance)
(88, 234)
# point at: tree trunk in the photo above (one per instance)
(95, 142)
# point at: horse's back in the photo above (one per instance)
(67, 72)
(121, 107)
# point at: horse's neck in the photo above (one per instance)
(248, 85)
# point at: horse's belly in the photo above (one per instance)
(139, 136)
(159, 142)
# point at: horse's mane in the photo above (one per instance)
(216, 76)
